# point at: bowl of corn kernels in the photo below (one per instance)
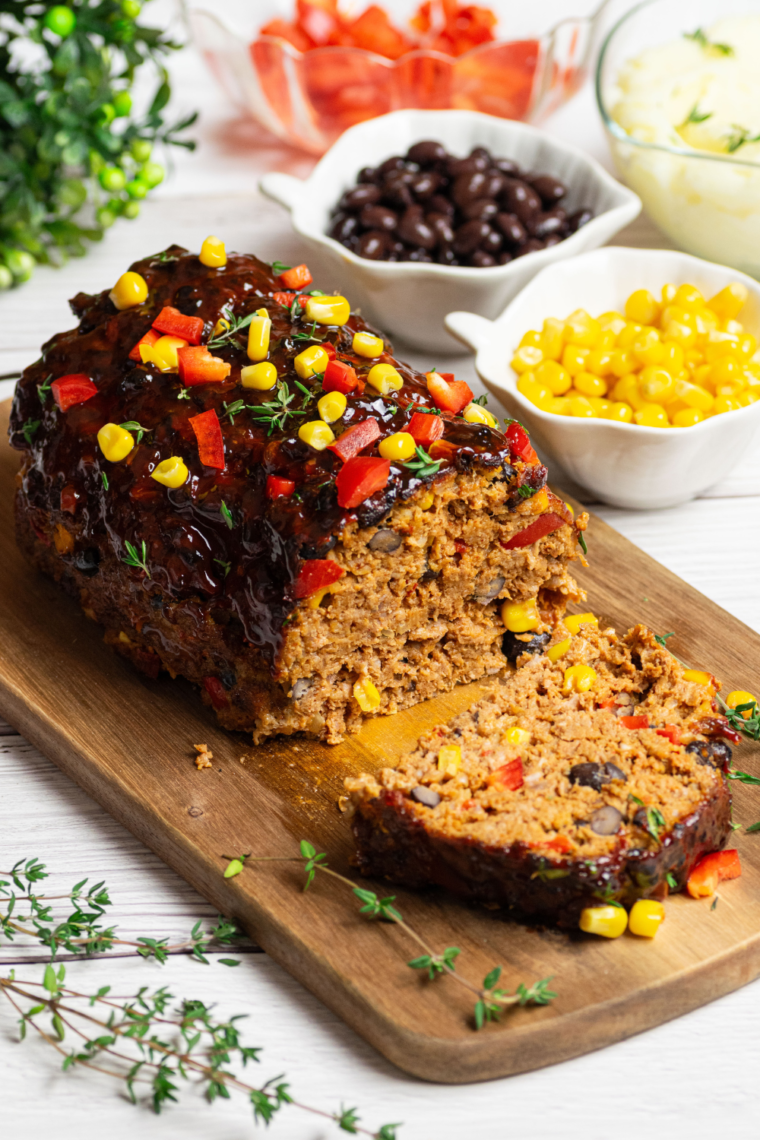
(637, 370)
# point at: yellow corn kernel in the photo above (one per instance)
(328, 310)
(221, 326)
(609, 921)
(734, 390)
(612, 321)
(259, 331)
(164, 352)
(427, 501)
(130, 290)
(317, 434)
(629, 334)
(538, 394)
(599, 405)
(692, 358)
(573, 622)
(648, 348)
(622, 362)
(642, 307)
(172, 472)
(526, 358)
(668, 294)
(516, 736)
(728, 303)
(449, 759)
(689, 297)
(261, 376)
(63, 540)
(311, 362)
(574, 358)
(559, 650)
(698, 677)
(747, 398)
(367, 696)
(581, 409)
(647, 915)
(553, 376)
(619, 412)
(599, 361)
(687, 417)
(579, 679)
(741, 697)
(476, 414)
(680, 315)
(582, 330)
(606, 342)
(747, 345)
(539, 502)
(693, 395)
(736, 328)
(532, 338)
(331, 406)
(397, 447)
(726, 370)
(590, 385)
(725, 404)
(656, 385)
(365, 344)
(384, 378)
(213, 254)
(519, 617)
(314, 601)
(560, 406)
(115, 442)
(552, 339)
(652, 415)
(680, 332)
(719, 344)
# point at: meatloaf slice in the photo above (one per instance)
(293, 612)
(544, 799)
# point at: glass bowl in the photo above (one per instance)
(707, 204)
(310, 98)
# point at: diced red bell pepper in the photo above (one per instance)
(314, 575)
(449, 395)
(72, 389)
(216, 691)
(519, 443)
(285, 299)
(339, 377)
(297, 278)
(69, 498)
(198, 366)
(608, 704)
(711, 870)
(150, 337)
(359, 478)
(425, 429)
(354, 440)
(208, 432)
(509, 776)
(171, 322)
(279, 488)
(560, 843)
(634, 721)
(671, 732)
(539, 528)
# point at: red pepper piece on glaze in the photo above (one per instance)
(151, 336)
(198, 366)
(634, 721)
(359, 478)
(216, 691)
(208, 432)
(298, 277)
(711, 870)
(425, 429)
(509, 776)
(519, 443)
(671, 732)
(356, 439)
(69, 498)
(279, 488)
(339, 377)
(284, 299)
(171, 322)
(72, 389)
(448, 394)
(315, 575)
(539, 528)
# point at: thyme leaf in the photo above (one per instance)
(701, 39)
(752, 828)
(482, 400)
(230, 336)
(28, 429)
(233, 409)
(306, 335)
(44, 388)
(738, 139)
(423, 466)
(276, 412)
(132, 425)
(661, 638)
(226, 566)
(582, 542)
(670, 879)
(139, 561)
(279, 267)
(227, 515)
(696, 116)
(526, 492)
(104, 477)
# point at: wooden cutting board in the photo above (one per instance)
(128, 743)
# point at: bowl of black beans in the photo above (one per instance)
(417, 213)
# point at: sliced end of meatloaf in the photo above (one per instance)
(543, 799)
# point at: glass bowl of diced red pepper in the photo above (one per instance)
(309, 69)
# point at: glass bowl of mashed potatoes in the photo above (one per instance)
(678, 88)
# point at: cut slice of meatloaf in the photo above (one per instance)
(299, 599)
(594, 776)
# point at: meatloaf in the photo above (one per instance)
(598, 775)
(295, 605)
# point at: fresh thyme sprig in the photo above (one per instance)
(482, 400)
(309, 335)
(227, 515)
(279, 267)
(230, 336)
(139, 561)
(696, 116)
(104, 477)
(491, 1002)
(423, 465)
(661, 638)
(526, 492)
(226, 566)
(132, 425)
(275, 412)
(701, 39)
(582, 542)
(738, 138)
(233, 409)
(654, 817)
(43, 389)
(28, 429)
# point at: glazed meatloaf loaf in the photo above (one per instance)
(598, 775)
(247, 493)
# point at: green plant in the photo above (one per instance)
(73, 156)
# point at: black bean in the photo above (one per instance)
(504, 257)
(482, 260)
(344, 225)
(512, 228)
(419, 254)
(425, 185)
(441, 226)
(468, 186)
(606, 820)
(378, 218)
(552, 222)
(395, 162)
(613, 772)
(483, 208)
(714, 752)
(373, 245)
(87, 561)
(492, 242)
(456, 167)
(494, 184)
(469, 236)
(442, 205)
(414, 230)
(553, 239)
(493, 588)
(578, 219)
(359, 196)
(532, 245)
(512, 647)
(396, 251)
(445, 255)
(521, 199)
(483, 153)
(426, 796)
(426, 152)
(550, 190)
(368, 174)
(396, 192)
(588, 775)
(507, 166)
(386, 541)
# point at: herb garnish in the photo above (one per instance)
(276, 412)
(132, 425)
(227, 515)
(526, 492)
(28, 429)
(279, 267)
(696, 116)
(715, 902)
(655, 818)
(183, 394)
(751, 726)
(423, 466)
(701, 39)
(44, 388)
(743, 777)
(661, 638)
(233, 409)
(752, 827)
(670, 879)
(306, 335)
(104, 477)
(427, 411)
(582, 542)
(134, 559)
(740, 136)
(229, 337)
(482, 400)
(226, 566)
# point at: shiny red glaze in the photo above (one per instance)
(208, 432)
(278, 487)
(425, 429)
(73, 389)
(355, 439)
(713, 869)
(509, 776)
(719, 726)
(216, 691)
(671, 732)
(69, 499)
(339, 377)
(198, 366)
(315, 575)
(150, 337)
(359, 478)
(560, 843)
(171, 322)
(298, 277)
(634, 721)
(539, 528)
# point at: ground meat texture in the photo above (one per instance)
(416, 609)
(549, 825)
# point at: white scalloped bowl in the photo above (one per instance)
(623, 464)
(409, 300)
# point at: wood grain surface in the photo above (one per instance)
(128, 743)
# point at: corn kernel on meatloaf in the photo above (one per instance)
(543, 799)
(292, 612)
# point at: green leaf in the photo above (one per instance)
(229, 961)
(234, 867)
(753, 827)
(347, 1119)
(661, 639)
(49, 980)
(492, 978)
(58, 1026)
(582, 542)
(480, 1013)
(307, 850)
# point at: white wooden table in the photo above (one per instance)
(693, 1076)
